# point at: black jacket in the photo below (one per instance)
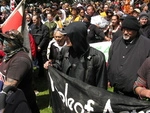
(90, 68)
(82, 61)
(95, 34)
(40, 35)
(124, 62)
(145, 30)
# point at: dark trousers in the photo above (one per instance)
(41, 57)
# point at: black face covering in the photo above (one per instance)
(11, 47)
(77, 33)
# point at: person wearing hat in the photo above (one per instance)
(126, 55)
(81, 61)
(136, 12)
(16, 68)
(144, 25)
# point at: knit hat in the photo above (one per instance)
(130, 22)
(143, 15)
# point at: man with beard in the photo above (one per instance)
(126, 55)
(82, 61)
(40, 34)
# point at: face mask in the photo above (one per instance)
(8, 46)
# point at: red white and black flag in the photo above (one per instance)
(70, 95)
(15, 19)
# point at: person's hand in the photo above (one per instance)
(107, 38)
(47, 63)
(145, 92)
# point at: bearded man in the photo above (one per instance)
(126, 55)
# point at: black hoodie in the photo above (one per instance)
(77, 33)
(82, 61)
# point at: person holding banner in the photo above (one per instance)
(142, 84)
(82, 61)
(126, 55)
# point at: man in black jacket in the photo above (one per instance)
(40, 34)
(126, 55)
(82, 61)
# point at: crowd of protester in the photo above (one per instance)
(56, 30)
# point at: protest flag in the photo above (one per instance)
(15, 19)
(70, 95)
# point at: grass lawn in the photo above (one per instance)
(43, 95)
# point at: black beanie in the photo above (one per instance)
(143, 14)
(130, 22)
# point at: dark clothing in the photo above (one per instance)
(41, 35)
(124, 61)
(145, 30)
(82, 61)
(116, 34)
(144, 75)
(90, 68)
(19, 68)
(95, 34)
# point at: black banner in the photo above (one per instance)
(70, 95)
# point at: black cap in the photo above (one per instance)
(131, 22)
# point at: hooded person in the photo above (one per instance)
(10, 72)
(82, 61)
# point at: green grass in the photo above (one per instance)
(43, 95)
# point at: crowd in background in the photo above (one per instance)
(103, 20)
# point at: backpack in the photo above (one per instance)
(13, 100)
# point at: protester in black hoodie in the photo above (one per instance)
(82, 61)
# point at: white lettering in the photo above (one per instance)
(61, 96)
(148, 111)
(107, 108)
(88, 105)
(80, 105)
(52, 83)
(70, 103)
(141, 112)
(66, 92)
